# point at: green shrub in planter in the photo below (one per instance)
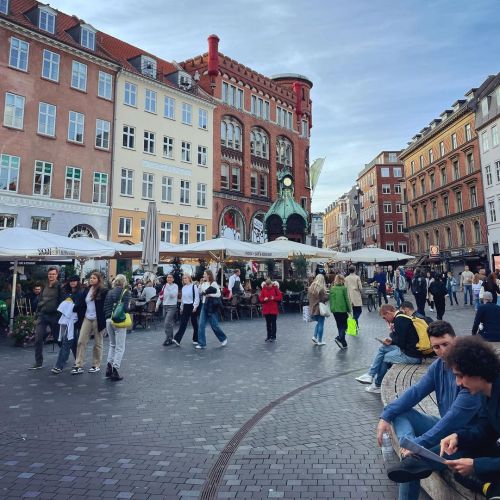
(24, 330)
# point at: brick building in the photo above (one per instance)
(381, 210)
(444, 190)
(57, 96)
(261, 126)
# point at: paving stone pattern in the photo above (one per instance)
(156, 434)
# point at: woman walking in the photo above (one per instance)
(190, 301)
(451, 287)
(210, 293)
(168, 298)
(491, 285)
(438, 290)
(119, 293)
(340, 305)
(477, 284)
(399, 287)
(430, 301)
(317, 293)
(270, 297)
(94, 324)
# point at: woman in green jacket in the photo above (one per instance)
(340, 305)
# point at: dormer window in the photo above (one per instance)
(185, 81)
(148, 66)
(46, 19)
(87, 37)
(4, 6)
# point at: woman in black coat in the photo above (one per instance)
(439, 291)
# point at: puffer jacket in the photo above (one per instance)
(112, 298)
(273, 296)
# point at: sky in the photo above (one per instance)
(381, 69)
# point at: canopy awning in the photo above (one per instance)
(373, 255)
(293, 248)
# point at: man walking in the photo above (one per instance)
(419, 290)
(381, 279)
(466, 284)
(47, 316)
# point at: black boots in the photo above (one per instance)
(115, 376)
(109, 370)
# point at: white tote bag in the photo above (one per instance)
(324, 309)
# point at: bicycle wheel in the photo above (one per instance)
(375, 305)
(369, 303)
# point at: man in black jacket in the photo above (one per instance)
(419, 290)
(489, 315)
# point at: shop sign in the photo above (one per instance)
(434, 251)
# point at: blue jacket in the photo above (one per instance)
(484, 436)
(457, 406)
(489, 315)
(381, 279)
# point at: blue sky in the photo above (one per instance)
(382, 69)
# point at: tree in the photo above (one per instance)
(300, 265)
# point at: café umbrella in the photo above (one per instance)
(151, 244)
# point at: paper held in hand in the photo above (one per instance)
(421, 451)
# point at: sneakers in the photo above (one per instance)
(315, 340)
(195, 343)
(198, 346)
(365, 379)
(115, 376)
(109, 370)
(224, 343)
(56, 371)
(409, 469)
(321, 343)
(373, 388)
(35, 367)
(94, 369)
(76, 370)
(492, 491)
(341, 344)
(176, 343)
(168, 342)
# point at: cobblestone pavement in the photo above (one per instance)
(159, 433)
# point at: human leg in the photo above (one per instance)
(356, 313)
(40, 335)
(450, 295)
(63, 355)
(120, 336)
(112, 341)
(420, 299)
(202, 341)
(97, 351)
(169, 322)
(194, 323)
(392, 357)
(214, 324)
(320, 325)
(187, 309)
(379, 358)
(83, 339)
(341, 321)
(268, 326)
(274, 317)
(440, 307)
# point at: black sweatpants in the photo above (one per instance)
(271, 325)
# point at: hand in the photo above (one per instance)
(194, 309)
(265, 299)
(404, 452)
(382, 427)
(464, 466)
(157, 308)
(387, 341)
(449, 444)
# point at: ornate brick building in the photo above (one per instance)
(261, 126)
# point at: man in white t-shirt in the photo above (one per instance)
(466, 284)
(235, 286)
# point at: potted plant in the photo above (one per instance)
(24, 331)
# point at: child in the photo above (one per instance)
(270, 297)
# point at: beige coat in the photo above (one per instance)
(314, 299)
(354, 289)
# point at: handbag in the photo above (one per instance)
(324, 310)
(118, 314)
(306, 314)
(352, 327)
(126, 323)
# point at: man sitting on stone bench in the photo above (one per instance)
(476, 367)
(399, 347)
(456, 405)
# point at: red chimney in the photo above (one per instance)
(213, 55)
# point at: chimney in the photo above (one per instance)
(213, 56)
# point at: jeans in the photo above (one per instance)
(187, 314)
(169, 314)
(386, 356)
(420, 300)
(214, 324)
(41, 334)
(271, 325)
(89, 326)
(66, 347)
(467, 291)
(356, 313)
(318, 329)
(412, 424)
(381, 291)
(116, 343)
(399, 295)
(452, 295)
(341, 321)
(477, 301)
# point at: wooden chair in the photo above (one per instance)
(253, 306)
(146, 316)
(232, 307)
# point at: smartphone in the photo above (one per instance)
(381, 339)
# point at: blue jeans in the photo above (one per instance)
(318, 329)
(412, 424)
(66, 347)
(214, 324)
(476, 301)
(467, 291)
(399, 295)
(386, 356)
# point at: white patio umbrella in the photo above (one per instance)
(151, 245)
(372, 255)
(292, 248)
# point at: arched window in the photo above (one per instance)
(82, 230)
(284, 151)
(461, 234)
(259, 143)
(427, 242)
(477, 232)
(417, 242)
(436, 237)
(449, 242)
(230, 133)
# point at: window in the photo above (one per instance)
(43, 178)
(203, 119)
(149, 142)
(185, 192)
(424, 212)
(166, 231)
(202, 156)
(444, 178)
(148, 66)
(187, 111)
(230, 134)
(427, 240)
(422, 185)
(456, 170)
(169, 108)
(253, 183)
(150, 101)
(14, 111)
(403, 247)
(263, 184)
(414, 190)
(473, 196)
(436, 237)
(79, 76)
(454, 143)
(399, 208)
(50, 65)
(7, 221)
(468, 132)
(105, 86)
(231, 95)
(130, 96)
(40, 223)
(18, 54)
(386, 189)
(126, 182)
(484, 107)
(489, 179)
(201, 195)
(461, 234)
(421, 162)
(432, 181)
(494, 136)
(4, 6)
(142, 229)
(224, 177)
(304, 128)
(102, 129)
(168, 147)
(100, 188)
(387, 207)
(128, 137)
(47, 119)
(485, 141)
(400, 227)
(431, 156)
(186, 151)
(388, 227)
(73, 181)
(147, 185)
(497, 168)
(492, 210)
(259, 143)
(446, 204)
(260, 108)
(477, 232)
(76, 127)
(470, 163)
(412, 167)
(389, 246)
(201, 232)
(284, 151)
(397, 172)
(434, 209)
(442, 151)
(235, 178)
(167, 184)
(284, 118)
(9, 172)
(458, 197)
(385, 172)
(87, 38)
(397, 188)
(183, 234)
(125, 226)
(449, 240)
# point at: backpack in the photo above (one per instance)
(420, 325)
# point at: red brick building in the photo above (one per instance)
(261, 126)
(381, 207)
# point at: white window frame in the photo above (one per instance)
(397, 188)
(87, 38)
(130, 94)
(123, 222)
(386, 189)
(488, 176)
(100, 188)
(169, 108)
(150, 97)
(201, 195)
(235, 170)
(468, 132)
(385, 172)
(42, 164)
(263, 185)
(50, 65)
(167, 189)
(187, 113)
(46, 20)
(485, 143)
(387, 207)
(4, 6)
(75, 184)
(105, 86)
(17, 49)
(47, 115)
(403, 247)
(149, 142)
(397, 172)
(79, 72)
(185, 192)
(224, 184)
(492, 212)
(201, 233)
(76, 120)
(148, 180)
(9, 169)
(14, 111)
(494, 136)
(454, 141)
(202, 156)
(400, 227)
(399, 208)
(390, 246)
(168, 147)
(254, 183)
(40, 223)
(388, 227)
(165, 231)
(126, 182)
(102, 134)
(183, 233)
(203, 119)
(129, 135)
(186, 152)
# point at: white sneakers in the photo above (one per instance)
(321, 343)
(373, 388)
(315, 340)
(365, 379)
(224, 343)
